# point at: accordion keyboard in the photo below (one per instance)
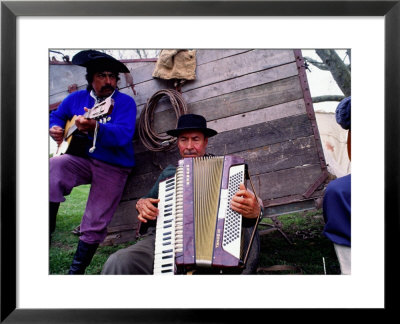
(164, 254)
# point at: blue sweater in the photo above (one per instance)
(114, 139)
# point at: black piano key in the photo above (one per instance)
(167, 256)
(167, 270)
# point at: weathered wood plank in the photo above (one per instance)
(298, 206)
(204, 56)
(239, 65)
(148, 161)
(141, 71)
(124, 225)
(139, 186)
(280, 156)
(287, 109)
(122, 236)
(276, 203)
(63, 75)
(262, 96)
(259, 135)
(232, 122)
(287, 182)
(244, 119)
(125, 214)
(221, 70)
(241, 82)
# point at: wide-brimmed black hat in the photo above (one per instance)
(96, 61)
(192, 122)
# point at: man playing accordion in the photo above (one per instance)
(192, 139)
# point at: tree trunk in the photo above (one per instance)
(340, 72)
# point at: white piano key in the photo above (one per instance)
(164, 256)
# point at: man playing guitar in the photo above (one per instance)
(105, 156)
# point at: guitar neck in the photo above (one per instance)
(99, 110)
(72, 128)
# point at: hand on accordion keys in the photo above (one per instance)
(245, 203)
(146, 209)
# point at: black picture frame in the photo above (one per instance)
(10, 10)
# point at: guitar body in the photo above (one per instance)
(75, 142)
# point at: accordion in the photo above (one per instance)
(196, 226)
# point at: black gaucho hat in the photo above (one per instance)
(96, 61)
(192, 122)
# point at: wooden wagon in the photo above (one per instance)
(259, 102)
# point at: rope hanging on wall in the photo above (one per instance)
(150, 139)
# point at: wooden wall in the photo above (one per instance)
(259, 102)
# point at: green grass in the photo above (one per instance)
(64, 243)
(306, 252)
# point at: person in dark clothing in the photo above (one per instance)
(337, 200)
(192, 134)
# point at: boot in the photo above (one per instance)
(83, 256)
(53, 210)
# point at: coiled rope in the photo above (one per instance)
(150, 139)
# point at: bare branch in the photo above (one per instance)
(327, 98)
(319, 65)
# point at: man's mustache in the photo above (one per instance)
(189, 152)
(107, 87)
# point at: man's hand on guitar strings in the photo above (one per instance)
(84, 124)
(245, 203)
(146, 209)
(57, 133)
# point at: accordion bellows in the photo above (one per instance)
(196, 226)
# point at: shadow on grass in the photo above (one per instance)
(308, 252)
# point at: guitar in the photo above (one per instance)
(99, 112)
